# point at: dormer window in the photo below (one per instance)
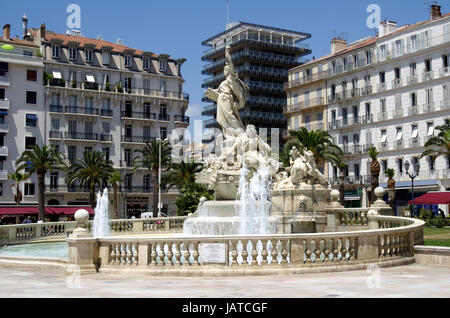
(127, 60)
(73, 53)
(162, 65)
(89, 55)
(56, 51)
(146, 63)
(106, 57)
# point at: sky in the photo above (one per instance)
(177, 27)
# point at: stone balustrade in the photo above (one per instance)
(390, 243)
(24, 233)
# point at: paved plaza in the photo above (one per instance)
(399, 282)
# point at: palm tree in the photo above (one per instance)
(38, 161)
(439, 145)
(319, 142)
(18, 177)
(181, 174)
(390, 173)
(90, 171)
(375, 169)
(115, 178)
(149, 158)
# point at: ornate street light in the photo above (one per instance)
(412, 176)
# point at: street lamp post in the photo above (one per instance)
(159, 179)
(412, 176)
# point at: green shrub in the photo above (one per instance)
(438, 222)
(425, 214)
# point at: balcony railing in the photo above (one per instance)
(305, 104)
(81, 136)
(55, 135)
(3, 151)
(383, 146)
(164, 117)
(4, 104)
(56, 109)
(118, 89)
(138, 139)
(139, 115)
(397, 83)
(81, 110)
(106, 113)
(413, 79)
(106, 138)
(445, 71)
(4, 80)
(3, 175)
(182, 119)
(4, 128)
(427, 76)
(381, 87)
(352, 149)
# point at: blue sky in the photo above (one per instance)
(178, 27)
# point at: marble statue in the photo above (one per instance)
(302, 171)
(230, 98)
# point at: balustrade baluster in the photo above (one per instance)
(196, 254)
(264, 252)
(186, 254)
(135, 254)
(327, 251)
(343, 249)
(177, 254)
(284, 252)
(245, 252)
(274, 253)
(234, 253)
(170, 253)
(308, 251)
(128, 248)
(153, 254)
(254, 254)
(161, 255)
(112, 257)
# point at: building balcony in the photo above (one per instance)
(366, 90)
(445, 104)
(4, 128)
(136, 189)
(382, 87)
(106, 113)
(210, 123)
(209, 110)
(164, 117)
(181, 119)
(445, 71)
(137, 139)
(262, 117)
(413, 79)
(399, 144)
(56, 109)
(106, 138)
(3, 151)
(4, 80)
(307, 79)
(415, 142)
(3, 175)
(4, 104)
(266, 87)
(80, 136)
(117, 89)
(344, 95)
(304, 105)
(138, 115)
(397, 83)
(83, 111)
(398, 113)
(383, 146)
(427, 76)
(55, 135)
(271, 102)
(352, 149)
(299, 48)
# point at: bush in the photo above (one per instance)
(425, 215)
(438, 222)
(191, 194)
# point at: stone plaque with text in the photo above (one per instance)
(214, 253)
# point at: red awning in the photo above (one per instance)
(433, 198)
(34, 210)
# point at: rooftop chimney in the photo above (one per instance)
(7, 32)
(435, 11)
(338, 45)
(43, 31)
(25, 26)
(387, 27)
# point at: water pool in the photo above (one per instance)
(58, 251)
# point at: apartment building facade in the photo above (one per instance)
(262, 56)
(21, 109)
(99, 95)
(393, 100)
